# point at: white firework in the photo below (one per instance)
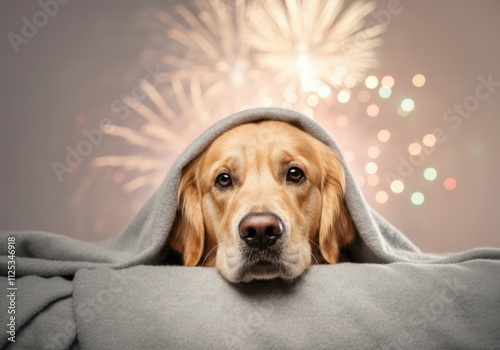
(213, 55)
(310, 43)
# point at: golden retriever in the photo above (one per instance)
(263, 201)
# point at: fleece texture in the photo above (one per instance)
(119, 294)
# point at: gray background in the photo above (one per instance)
(91, 52)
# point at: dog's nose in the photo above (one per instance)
(260, 231)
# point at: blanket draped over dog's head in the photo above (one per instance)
(143, 241)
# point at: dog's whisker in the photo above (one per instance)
(314, 243)
(316, 260)
(310, 252)
(214, 249)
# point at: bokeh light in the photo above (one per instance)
(308, 112)
(373, 152)
(312, 100)
(429, 140)
(384, 135)
(336, 80)
(344, 96)
(349, 156)
(290, 95)
(407, 105)
(371, 168)
(381, 197)
(414, 149)
(373, 180)
(372, 110)
(450, 184)
(267, 101)
(418, 80)
(371, 82)
(324, 91)
(384, 92)
(340, 71)
(397, 186)
(349, 81)
(118, 177)
(430, 174)
(417, 198)
(363, 96)
(387, 81)
(360, 180)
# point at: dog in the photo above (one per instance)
(265, 200)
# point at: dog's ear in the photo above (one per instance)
(336, 226)
(188, 233)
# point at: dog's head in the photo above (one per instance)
(264, 200)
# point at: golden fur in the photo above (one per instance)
(258, 158)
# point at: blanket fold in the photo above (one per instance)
(72, 287)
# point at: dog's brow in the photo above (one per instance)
(286, 157)
(230, 162)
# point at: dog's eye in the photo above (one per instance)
(295, 175)
(223, 181)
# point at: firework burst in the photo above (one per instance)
(158, 138)
(213, 57)
(312, 43)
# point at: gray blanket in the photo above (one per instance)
(121, 295)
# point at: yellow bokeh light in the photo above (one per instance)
(290, 95)
(312, 100)
(349, 156)
(324, 91)
(363, 96)
(349, 81)
(371, 168)
(336, 80)
(384, 135)
(397, 186)
(373, 180)
(418, 80)
(429, 140)
(267, 101)
(308, 112)
(415, 149)
(343, 96)
(373, 152)
(381, 197)
(387, 81)
(371, 82)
